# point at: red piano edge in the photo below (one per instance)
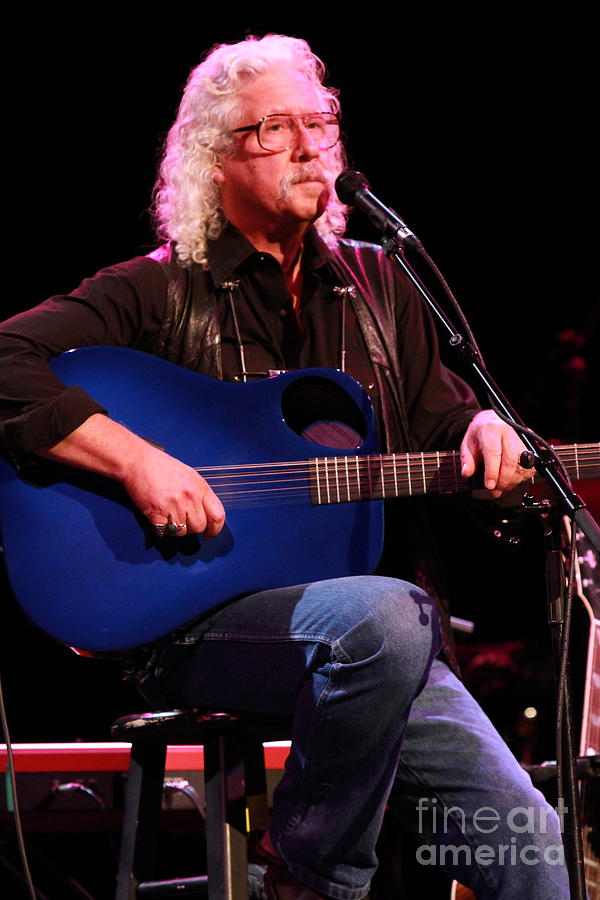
(109, 757)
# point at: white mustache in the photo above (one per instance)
(302, 174)
(307, 173)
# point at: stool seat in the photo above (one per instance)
(235, 794)
(181, 726)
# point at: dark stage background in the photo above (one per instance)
(479, 131)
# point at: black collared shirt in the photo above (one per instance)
(273, 337)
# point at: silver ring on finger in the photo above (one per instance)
(160, 529)
(174, 527)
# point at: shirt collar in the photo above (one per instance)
(316, 252)
(231, 249)
(228, 252)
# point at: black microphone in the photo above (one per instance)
(353, 189)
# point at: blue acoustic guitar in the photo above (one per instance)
(293, 458)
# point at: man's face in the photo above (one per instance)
(276, 194)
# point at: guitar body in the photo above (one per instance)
(85, 565)
(587, 573)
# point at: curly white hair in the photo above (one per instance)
(186, 199)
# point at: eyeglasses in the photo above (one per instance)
(278, 132)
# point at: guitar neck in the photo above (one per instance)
(342, 479)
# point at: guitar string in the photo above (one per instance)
(433, 471)
(256, 493)
(429, 457)
(343, 489)
(390, 467)
(432, 462)
(365, 463)
(349, 487)
(308, 470)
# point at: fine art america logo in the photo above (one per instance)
(507, 849)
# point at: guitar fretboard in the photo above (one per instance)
(343, 479)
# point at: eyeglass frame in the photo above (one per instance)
(257, 125)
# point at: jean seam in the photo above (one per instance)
(251, 638)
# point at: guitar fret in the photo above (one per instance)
(368, 464)
(395, 475)
(337, 478)
(347, 478)
(318, 481)
(358, 478)
(576, 461)
(382, 476)
(423, 471)
(408, 474)
(439, 476)
(327, 479)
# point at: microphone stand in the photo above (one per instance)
(567, 503)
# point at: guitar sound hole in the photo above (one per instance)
(332, 434)
(322, 412)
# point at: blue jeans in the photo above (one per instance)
(375, 717)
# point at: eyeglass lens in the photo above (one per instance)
(279, 132)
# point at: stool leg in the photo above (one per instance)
(256, 786)
(226, 837)
(141, 817)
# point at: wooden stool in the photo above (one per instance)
(235, 791)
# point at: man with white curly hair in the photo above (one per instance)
(189, 200)
(255, 278)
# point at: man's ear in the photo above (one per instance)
(218, 174)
